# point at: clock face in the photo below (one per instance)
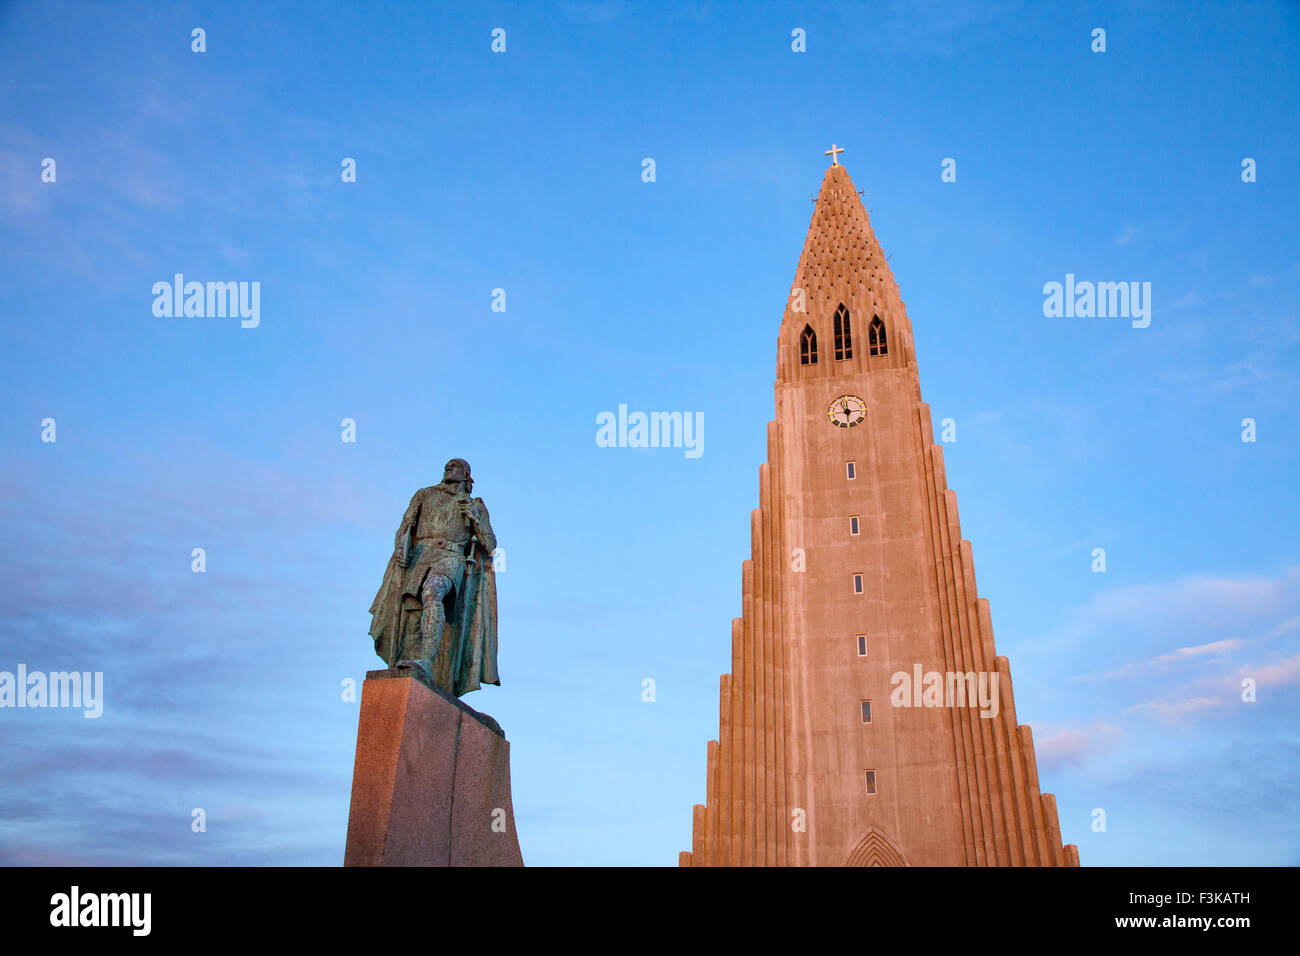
(847, 411)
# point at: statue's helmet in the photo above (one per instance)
(464, 467)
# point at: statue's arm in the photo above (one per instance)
(483, 527)
(409, 520)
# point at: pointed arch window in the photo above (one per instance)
(843, 334)
(876, 337)
(808, 346)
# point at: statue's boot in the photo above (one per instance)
(412, 652)
(421, 645)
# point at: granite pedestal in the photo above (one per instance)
(431, 783)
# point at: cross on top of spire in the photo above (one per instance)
(833, 153)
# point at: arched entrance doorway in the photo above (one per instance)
(874, 849)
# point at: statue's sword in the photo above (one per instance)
(471, 566)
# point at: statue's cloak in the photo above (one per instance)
(479, 659)
(397, 606)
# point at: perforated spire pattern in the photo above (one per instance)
(842, 262)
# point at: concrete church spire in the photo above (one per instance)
(842, 265)
(867, 719)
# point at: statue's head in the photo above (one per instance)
(458, 470)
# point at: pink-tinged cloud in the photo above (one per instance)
(1281, 673)
(1165, 662)
(1176, 710)
(1073, 746)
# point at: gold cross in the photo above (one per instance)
(834, 154)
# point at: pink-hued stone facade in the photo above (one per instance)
(787, 776)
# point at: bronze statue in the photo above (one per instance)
(436, 610)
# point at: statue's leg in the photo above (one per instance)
(434, 616)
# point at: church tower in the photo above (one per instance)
(858, 575)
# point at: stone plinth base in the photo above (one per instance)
(431, 784)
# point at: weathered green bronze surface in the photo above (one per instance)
(436, 610)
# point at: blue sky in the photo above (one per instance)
(522, 171)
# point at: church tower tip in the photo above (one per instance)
(842, 272)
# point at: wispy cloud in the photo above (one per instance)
(1283, 673)
(1072, 746)
(1220, 607)
(1176, 709)
(1187, 300)
(1246, 628)
(1164, 662)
